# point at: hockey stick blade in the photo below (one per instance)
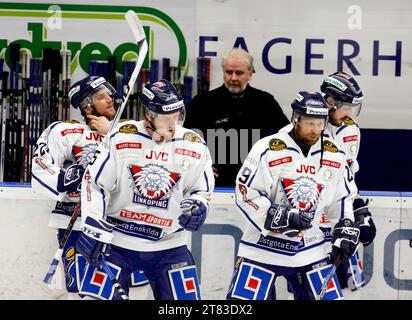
(53, 266)
(115, 283)
(56, 260)
(138, 32)
(136, 25)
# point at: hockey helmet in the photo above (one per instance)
(81, 93)
(344, 89)
(309, 104)
(161, 97)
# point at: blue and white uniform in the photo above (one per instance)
(137, 186)
(277, 172)
(348, 135)
(61, 145)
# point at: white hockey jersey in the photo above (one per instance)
(60, 145)
(276, 171)
(137, 185)
(348, 136)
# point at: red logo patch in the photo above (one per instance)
(128, 145)
(350, 138)
(277, 162)
(330, 163)
(146, 217)
(72, 131)
(186, 152)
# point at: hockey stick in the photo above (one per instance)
(55, 262)
(328, 278)
(326, 282)
(137, 29)
(115, 282)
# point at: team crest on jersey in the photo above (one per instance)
(349, 121)
(276, 145)
(302, 193)
(128, 128)
(189, 136)
(152, 184)
(84, 155)
(330, 146)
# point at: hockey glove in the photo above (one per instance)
(287, 220)
(363, 218)
(194, 214)
(95, 239)
(70, 179)
(345, 240)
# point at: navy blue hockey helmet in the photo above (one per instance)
(309, 104)
(81, 93)
(161, 97)
(344, 89)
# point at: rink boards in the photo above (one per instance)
(27, 246)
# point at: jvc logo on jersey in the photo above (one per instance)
(94, 136)
(306, 169)
(163, 156)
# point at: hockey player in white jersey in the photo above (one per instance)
(150, 185)
(285, 185)
(63, 152)
(344, 99)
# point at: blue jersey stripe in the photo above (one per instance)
(340, 129)
(253, 176)
(207, 181)
(104, 201)
(45, 185)
(249, 218)
(101, 167)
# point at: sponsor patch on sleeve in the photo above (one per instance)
(72, 131)
(128, 145)
(186, 152)
(277, 162)
(330, 163)
(350, 138)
